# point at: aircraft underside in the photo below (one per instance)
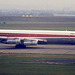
(61, 41)
(23, 43)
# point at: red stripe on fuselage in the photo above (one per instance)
(32, 35)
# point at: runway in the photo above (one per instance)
(44, 49)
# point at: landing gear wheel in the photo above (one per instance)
(20, 46)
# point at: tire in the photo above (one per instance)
(20, 46)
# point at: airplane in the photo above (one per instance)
(23, 38)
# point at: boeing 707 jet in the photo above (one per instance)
(23, 38)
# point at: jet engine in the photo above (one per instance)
(30, 42)
(12, 41)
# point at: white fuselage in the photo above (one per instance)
(37, 34)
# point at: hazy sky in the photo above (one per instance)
(37, 4)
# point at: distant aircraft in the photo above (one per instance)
(23, 38)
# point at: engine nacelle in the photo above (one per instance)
(30, 42)
(12, 41)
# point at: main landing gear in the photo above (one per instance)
(20, 46)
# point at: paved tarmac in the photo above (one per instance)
(44, 49)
